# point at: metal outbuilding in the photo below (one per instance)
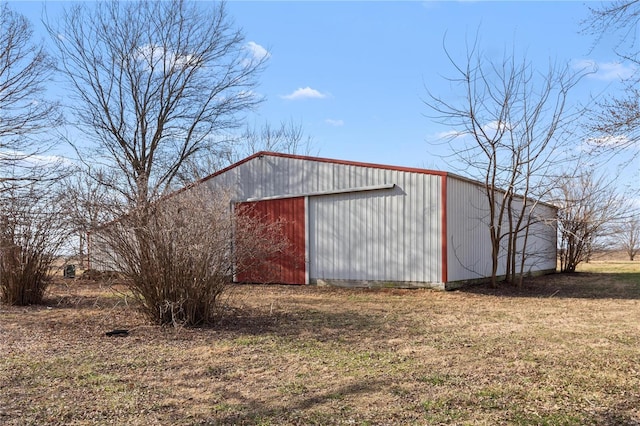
(371, 225)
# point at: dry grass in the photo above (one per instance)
(562, 350)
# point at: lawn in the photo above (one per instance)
(562, 350)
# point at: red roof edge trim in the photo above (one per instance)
(347, 163)
(444, 230)
(309, 158)
(212, 175)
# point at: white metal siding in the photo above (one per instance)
(391, 234)
(387, 235)
(542, 239)
(469, 242)
(383, 235)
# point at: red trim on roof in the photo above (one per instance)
(319, 160)
(212, 175)
(443, 218)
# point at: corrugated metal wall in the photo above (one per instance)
(469, 244)
(380, 235)
(374, 236)
(287, 267)
(375, 232)
(101, 256)
(542, 240)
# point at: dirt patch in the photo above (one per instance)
(559, 350)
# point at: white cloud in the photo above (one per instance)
(611, 141)
(335, 123)
(450, 135)
(492, 129)
(49, 159)
(154, 55)
(606, 71)
(635, 202)
(24, 159)
(304, 93)
(497, 126)
(258, 52)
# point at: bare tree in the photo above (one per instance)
(158, 84)
(30, 227)
(155, 82)
(627, 234)
(617, 120)
(510, 132)
(87, 204)
(288, 137)
(587, 206)
(25, 67)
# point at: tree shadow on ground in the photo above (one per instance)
(625, 412)
(298, 411)
(581, 285)
(323, 325)
(75, 294)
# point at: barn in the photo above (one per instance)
(369, 225)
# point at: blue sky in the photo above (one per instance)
(365, 66)
(355, 74)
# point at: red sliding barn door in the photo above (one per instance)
(288, 267)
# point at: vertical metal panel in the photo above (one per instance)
(101, 256)
(306, 240)
(288, 267)
(444, 232)
(542, 239)
(469, 241)
(387, 235)
(381, 235)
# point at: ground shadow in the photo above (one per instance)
(324, 326)
(582, 285)
(255, 411)
(78, 294)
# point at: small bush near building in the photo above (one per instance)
(31, 232)
(179, 255)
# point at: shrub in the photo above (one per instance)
(31, 232)
(179, 255)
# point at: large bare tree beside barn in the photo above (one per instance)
(156, 85)
(31, 228)
(508, 129)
